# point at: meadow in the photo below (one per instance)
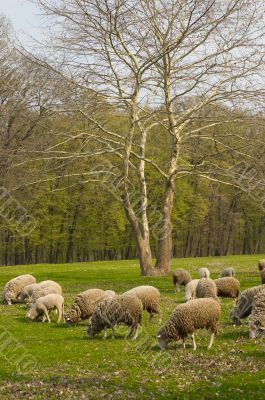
(53, 361)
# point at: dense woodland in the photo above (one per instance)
(79, 215)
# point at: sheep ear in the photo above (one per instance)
(262, 328)
(158, 336)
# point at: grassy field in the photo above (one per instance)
(42, 361)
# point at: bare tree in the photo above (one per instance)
(190, 69)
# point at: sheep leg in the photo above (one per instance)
(59, 314)
(211, 340)
(151, 315)
(193, 341)
(184, 345)
(177, 288)
(46, 314)
(136, 332)
(159, 317)
(132, 328)
(113, 332)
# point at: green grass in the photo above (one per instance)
(68, 365)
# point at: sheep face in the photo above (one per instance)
(32, 313)
(234, 318)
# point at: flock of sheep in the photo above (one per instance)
(105, 309)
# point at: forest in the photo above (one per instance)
(62, 161)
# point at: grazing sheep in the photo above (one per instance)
(227, 287)
(13, 288)
(187, 317)
(83, 306)
(150, 298)
(204, 272)
(44, 288)
(27, 291)
(206, 287)
(244, 303)
(229, 271)
(180, 277)
(190, 289)
(262, 276)
(257, 317)
(261, 264)
(44, 305)
(121, 309)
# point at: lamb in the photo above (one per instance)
(190, 289)
(244, 303)
(44, 305)
(27, 291)
(84, 304)
(261, 264)
(206, 287)
(227, 287)
(204, 273)
(13, 288)
(180, 277)
(150, 298)
(44, 288)
(187, 317)
(257, 317)
(262, 276)
(121, 309)
(229, 271)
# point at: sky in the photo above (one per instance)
(25, 17)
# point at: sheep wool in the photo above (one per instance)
(204, 272)
(227, 287)
(121, 309)
(180, 277)
(44, 288)
(257, 317)
(187, 317)
(206, 287)
(13, 288)
(229, 271)
(83, 305)
(244, 304)
(150, 298)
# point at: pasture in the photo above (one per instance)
(42, 361)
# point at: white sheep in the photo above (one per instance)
(187, 317)
(13, 288)
(190, 290)
(150, 298)
(44, 305)
(204, 272)
(44, 288)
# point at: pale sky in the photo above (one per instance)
(25, 17)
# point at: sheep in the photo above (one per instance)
(44, 305)
(150, 298)
(83, 305)
(261, 264)
(229, 271)
(227, 287)
(27, 291)
(244, 303)
(13, 288)
(262, 276)
(180, 277)
(121, 309)
(44, 288)
(187, 317)
(257, 317)
(204, 272)
(190, 290)
(206, 287)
